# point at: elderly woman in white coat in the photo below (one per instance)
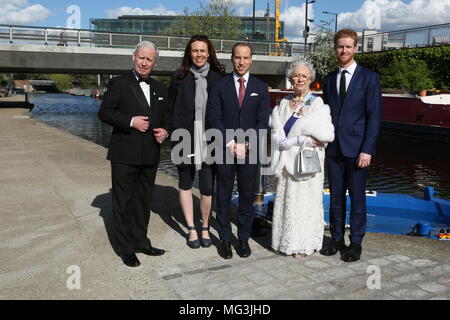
(300, 119)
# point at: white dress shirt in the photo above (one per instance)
(236, 81)
(237, 86)
(146, 90)
(348, 76)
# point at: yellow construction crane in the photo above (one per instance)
(278, 51)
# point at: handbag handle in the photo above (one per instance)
(304, 143)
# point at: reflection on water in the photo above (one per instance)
(402, 165)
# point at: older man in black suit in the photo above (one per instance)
(135, 105)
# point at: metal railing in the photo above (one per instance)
(101, 39)
(408, 38)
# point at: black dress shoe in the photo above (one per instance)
(224, 249)
(150, 251)
(130, 260)
(244, 249)
(333, 247)
(353, 253)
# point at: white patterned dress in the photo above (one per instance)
(298, 223)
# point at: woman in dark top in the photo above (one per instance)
(188, 94)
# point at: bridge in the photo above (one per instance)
(56, 50)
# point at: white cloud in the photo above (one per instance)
(294, 22)
(243, 3)
(396, 14)
(19, 12)
(159, 10)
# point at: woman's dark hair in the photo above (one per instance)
(186, 63)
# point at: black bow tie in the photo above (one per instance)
(146, 80)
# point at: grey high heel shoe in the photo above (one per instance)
(194, 244)
(205, 242)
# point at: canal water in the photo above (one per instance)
(402, 165)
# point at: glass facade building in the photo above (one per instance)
(156, 24)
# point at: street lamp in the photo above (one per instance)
(253, 21)
(305, 33)
(335, 19)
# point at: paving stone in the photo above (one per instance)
(404, 266)
(222, 291)
(172, 276)
(339, 284)
(246, 296)
(379, 262)
(284, 276)
(438, 270)
(422, 263)
(388, 285)
(445, 280)
(369, 254)
(355, 282)
(326, 288)
(168, 271)
(304, 293)
(391, 271)
(194, 293)
(237, 284)
(361, 293)
(407, 278)
(359, 266)
(269, 291)
(398, 258)
(320, 276)
(340, 272)
(405, 293)
(299, 280)
(260, 278)
(316, 264)
(271, 264)
(213, 285)
(432, 287)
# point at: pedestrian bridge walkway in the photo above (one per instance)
(56, 50)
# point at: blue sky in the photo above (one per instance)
(358, 14)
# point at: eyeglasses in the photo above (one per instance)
(301, 76)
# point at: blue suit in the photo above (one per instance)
(223, 112)
(357, 123)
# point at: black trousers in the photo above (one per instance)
(132, 190)
(186, 174)
(246, 179)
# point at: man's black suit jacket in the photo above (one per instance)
(124, 100)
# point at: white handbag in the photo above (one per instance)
(308, 160)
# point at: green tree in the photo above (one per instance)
(216, 20)
(322, 54)
(409, 74)
(62, 81)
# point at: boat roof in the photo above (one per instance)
(436, 99)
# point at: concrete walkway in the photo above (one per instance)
(56, 209)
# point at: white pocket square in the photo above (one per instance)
(253, 94)
(160, 98)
